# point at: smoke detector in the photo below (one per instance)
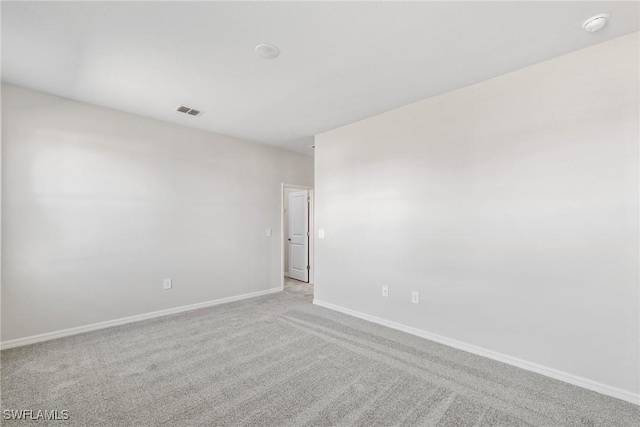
(595, 23)
(189, 111)
(267, 51)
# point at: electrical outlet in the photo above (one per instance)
(415, 297)
(385, 291)
(321, 233)
(167, 284)
(268, 232)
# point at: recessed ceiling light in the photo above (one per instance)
(595, 22)
(267, 51)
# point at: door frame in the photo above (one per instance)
(283, 231)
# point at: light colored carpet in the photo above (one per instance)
(278, 360)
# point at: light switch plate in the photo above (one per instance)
(268, 232)
(415, 297)
(385, 291)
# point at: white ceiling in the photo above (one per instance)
(339, 62)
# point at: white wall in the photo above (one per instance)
(99, 206)
(511, 205)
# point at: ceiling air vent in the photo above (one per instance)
(189, 111)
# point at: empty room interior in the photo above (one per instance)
(320, 213)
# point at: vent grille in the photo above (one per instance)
(189, 111)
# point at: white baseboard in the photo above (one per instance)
(109, 323)
(549, 372)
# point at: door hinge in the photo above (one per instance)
(308, 267)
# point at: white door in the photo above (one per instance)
(298, 235)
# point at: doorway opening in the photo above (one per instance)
(296, 220)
